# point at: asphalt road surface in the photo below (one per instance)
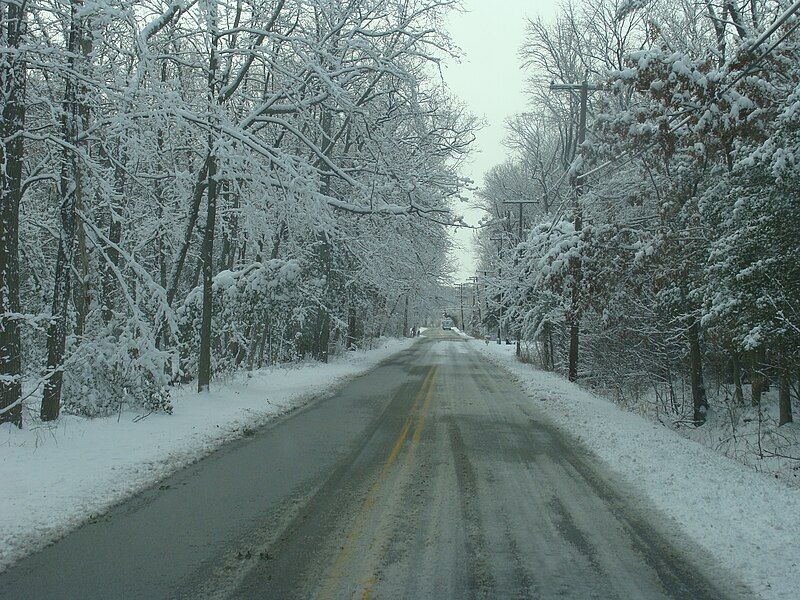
(432, 476)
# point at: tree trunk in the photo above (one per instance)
(230, 232)
(784, 390)
(57, 328)
(574, 329)
(351, 328)
(207, 252)
(757, 376)
(699, 399)
(549, 346)
(322, 331)
(405, 318)
(323, 317)
(736, 364)
(81, 294)
(162, 338)
(197, 199)
(115, 237)
(256, 334)
(324, 338)
(12, 120)
(263, 345)
(719, 29)
(207, 260)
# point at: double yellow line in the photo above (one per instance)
(424, 395)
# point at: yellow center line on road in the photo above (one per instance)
(421, 420)
(369, 501)
(422, 413)
(367, 592)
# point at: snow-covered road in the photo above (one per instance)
(433, 476)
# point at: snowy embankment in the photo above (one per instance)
(746, 520)
(54, 479)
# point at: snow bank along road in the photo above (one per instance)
(429, 477)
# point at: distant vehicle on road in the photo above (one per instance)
(447, 323)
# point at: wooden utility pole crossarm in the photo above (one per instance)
(520, 204)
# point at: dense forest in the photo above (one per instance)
(191, 187)
(645, 230)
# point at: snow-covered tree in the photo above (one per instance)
(687, 218)
(214, 185)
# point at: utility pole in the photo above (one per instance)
(485, 274)
(499, 239)
(461, 298)
(574, 316)
(476, 300)
(520, 204)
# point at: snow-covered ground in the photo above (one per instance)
(752, 436)
(745, 519)
(54, 479)
(461, 333)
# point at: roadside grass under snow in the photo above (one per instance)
(745, 519)
(56, 478)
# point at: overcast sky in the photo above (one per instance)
(489, 81)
